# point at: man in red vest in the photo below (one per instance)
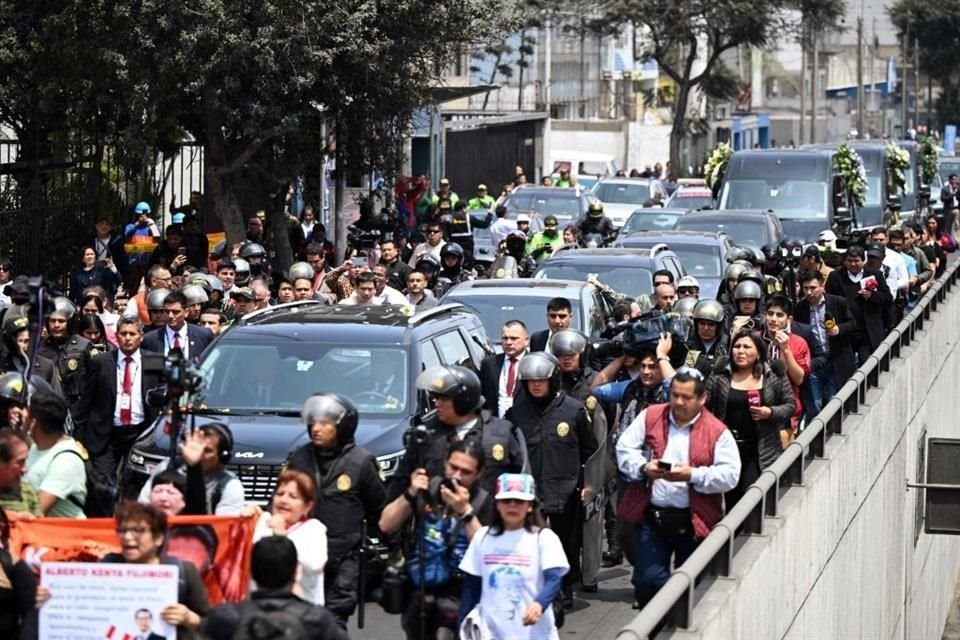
(680, 460)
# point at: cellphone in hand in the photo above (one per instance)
(663, 465)
(182, 251)
(448, 483)
(753, 398)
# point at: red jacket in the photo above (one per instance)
(706, 510)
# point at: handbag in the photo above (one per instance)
(632, 504)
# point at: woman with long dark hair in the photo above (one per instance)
(90, 273)
(91, 327)
(753, 397)
(513, 569)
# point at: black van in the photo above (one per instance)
(801, 186)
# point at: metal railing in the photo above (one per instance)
(676, 600)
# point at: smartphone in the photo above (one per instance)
(448, 483)
(663, 465)
(753, 397)
(182, 251)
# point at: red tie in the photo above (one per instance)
(511, 376)
(176, 341)
(126, 414)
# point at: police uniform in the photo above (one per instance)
(71, 360)
(560, 438)
(703, 358)
(348, 489)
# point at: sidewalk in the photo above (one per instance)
(951, 630)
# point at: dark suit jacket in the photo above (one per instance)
(538, 341)
(869, 314)
(100, 401)
(199, 338)
(490, 368)
(841, 349)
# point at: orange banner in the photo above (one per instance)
(218, 546)
(146, 244)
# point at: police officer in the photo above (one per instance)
(731, 277)
(560, 438)
(456, 395)
(708, 341)
(544, 243)
(197, 299)
(256, 257)
(16, 345)
(349, 489)
(70, 355)
(154, 302)
(452, 267)
(515, 246)
(14, 398)
(596, 223)
(576, 376)
(746, 311)
(459, 229)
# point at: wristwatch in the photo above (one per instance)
(467, 516)
(659, 358)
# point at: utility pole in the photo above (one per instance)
(903, 85)
(814, 88)
(548, 64)
(803, 83)
(916, 82)
(583, 68)
(860, 76)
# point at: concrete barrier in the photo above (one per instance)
(846, 556)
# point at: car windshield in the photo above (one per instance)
(566, 206)
(702, 261)
(494, 312)
(947, 167)
(268, 378)
(797, 199)
(631, 281)
(743, 232)
(622, 193)
(695, 200)
(650, 220)
(873, 190)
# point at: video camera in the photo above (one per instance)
(361, 239)
(643, 335)
(179, 374)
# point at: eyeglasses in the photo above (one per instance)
(137, 531)
(433, 230)
(4, 268)
(690, 372)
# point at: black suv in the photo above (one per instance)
(259, 372)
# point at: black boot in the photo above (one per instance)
(613, 556)
(566, 597)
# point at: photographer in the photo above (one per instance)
(745, 312)
(343, 280)
(450, 506)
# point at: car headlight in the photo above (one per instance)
(144, 462)
(388, 464)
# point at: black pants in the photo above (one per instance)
(340, 581)
(442, 608)
(749, 473)
(121, 441)
(568, 526)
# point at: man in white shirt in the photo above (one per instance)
(895, 267)
(693, 460)
(501, 227)
(365, 292)
(178, 334)
(385, 291)
(498, 373)
(433, 245)
(417, 293)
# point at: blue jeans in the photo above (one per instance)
(823, 386)
(651, 559)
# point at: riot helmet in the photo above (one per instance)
(685, 306)
(252, 251)
(456, 382)
(155, 299)
(708, 311)
(300, 270)
(747, 290)
(63, 308)
(567, 342)
(242, 268)
(540, 365)
(335, 408)
(195, 294)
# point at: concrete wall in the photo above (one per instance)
(840, 560)
(602, 136)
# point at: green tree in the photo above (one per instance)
(679, 35)
(935, 25)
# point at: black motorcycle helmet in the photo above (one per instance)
(428, 265)
(516, 244)
(455, 382)
(452, 249)
(740, 254)
(335, 408)
(771, 252)
(567, 342)
(540, 365)
(13, 325)
(595, 210)
(12, 391)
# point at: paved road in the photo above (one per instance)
(597, 616)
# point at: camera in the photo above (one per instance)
(361, 239)
(176, 371)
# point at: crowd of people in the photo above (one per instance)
(689, 399)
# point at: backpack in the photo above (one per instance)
(270, 621)
(101, 494)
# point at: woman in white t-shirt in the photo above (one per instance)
(512, 569)
(290, 517)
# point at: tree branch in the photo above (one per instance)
(244, 157)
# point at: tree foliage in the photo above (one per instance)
(253, 81)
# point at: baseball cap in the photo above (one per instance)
(244, 292)
(523, 218)
(877, 251)
(481, 187)
(516, 486)
(444, 180)
(551, 221)
(812, 251)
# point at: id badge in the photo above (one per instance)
(124, 401)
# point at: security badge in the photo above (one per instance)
(563, 429)
(343, 482)
(72, 364)
(590, 403)
(497, 452)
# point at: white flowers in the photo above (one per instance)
(716, 166)
(898, 160)
(852, 173)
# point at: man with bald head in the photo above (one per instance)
(664, 295)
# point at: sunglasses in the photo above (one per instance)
(690, 372)
(4, 268)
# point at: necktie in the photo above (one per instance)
(176, 341)
(511, 376)
(126, 412)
